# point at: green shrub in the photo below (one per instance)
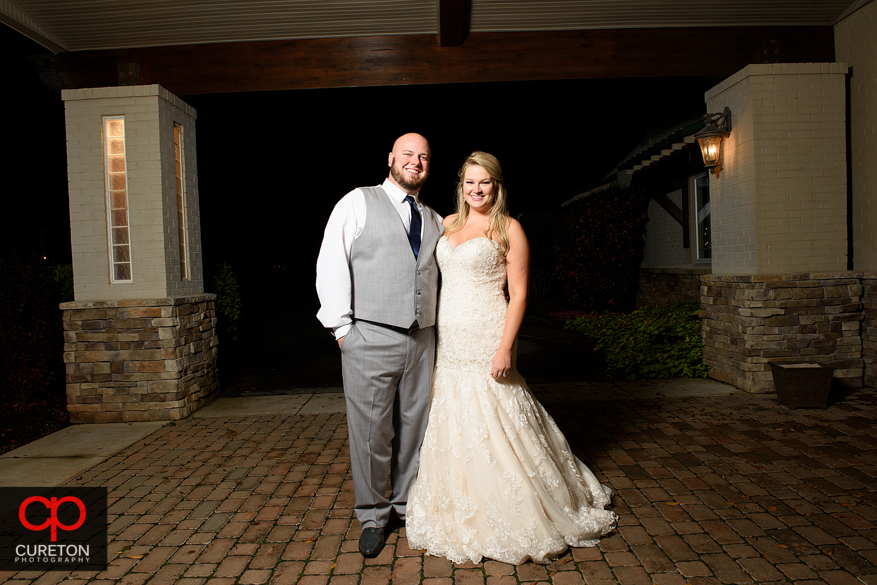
(650, 342)
(63, 277)
(228, 302)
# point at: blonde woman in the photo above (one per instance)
(497, 478)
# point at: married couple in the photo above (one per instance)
(477, 467)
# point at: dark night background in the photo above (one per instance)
(271, 165)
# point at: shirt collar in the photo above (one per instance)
(395, 193)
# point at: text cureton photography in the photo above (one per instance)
(53, 553)
(53, 528)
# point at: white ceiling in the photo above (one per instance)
(79, 25)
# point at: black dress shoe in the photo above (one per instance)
(371, 542)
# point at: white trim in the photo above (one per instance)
(699, 215)
(182, 209)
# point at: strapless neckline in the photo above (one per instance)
(453, 247)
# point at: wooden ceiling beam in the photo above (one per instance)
(453, 22)
(420, 59)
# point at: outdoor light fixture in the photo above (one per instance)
(717, 127)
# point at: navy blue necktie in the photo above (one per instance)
(414, 231)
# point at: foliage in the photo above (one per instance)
(650, 342)
(63, 277)
(599, 249)
(31, 332)
(228, 302)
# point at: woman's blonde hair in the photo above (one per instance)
(499, 214)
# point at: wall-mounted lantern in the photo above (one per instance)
(717, 127)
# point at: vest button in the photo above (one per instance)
(418, 293)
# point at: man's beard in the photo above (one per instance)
(407, 181)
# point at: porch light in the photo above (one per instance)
(717, 127)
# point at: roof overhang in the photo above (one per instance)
(89, 25)
(203, 46)
(420, 59)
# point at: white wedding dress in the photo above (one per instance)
(497, 478)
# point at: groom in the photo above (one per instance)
(377, 281)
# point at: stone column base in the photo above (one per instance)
(140, 360)
(869, 329)
(749, 321)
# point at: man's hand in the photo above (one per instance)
(340, 339)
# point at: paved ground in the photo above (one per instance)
(710, 488)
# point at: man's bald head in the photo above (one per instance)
(409, 162)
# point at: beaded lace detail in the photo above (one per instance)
(497, 478)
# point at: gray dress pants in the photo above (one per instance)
(387, 373)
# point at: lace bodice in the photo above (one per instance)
(472, 304)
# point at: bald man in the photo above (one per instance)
(377, 281)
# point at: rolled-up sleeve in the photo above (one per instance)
(334, 283)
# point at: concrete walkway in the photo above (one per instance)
(712, 486)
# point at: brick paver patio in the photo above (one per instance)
(710, 490)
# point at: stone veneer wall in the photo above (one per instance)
(869, 329)
(140, 360)
(659, 286)
(750, 321)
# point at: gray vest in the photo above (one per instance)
(390, 285)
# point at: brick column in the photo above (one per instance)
(779, 290)
(140, 343)
(150, 115)
(779, 205)
(139, 360)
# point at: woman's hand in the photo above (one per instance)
(502, 364)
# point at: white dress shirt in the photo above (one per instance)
(346, 223)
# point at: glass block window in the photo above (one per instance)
(181, 205)
(117, 199)
(702, 205)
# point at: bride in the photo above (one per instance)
(497, 478)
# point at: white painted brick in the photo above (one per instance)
(152, 198)
(775, 165)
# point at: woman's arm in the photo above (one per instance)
(518, 265)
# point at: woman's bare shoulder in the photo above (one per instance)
(514, 227)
